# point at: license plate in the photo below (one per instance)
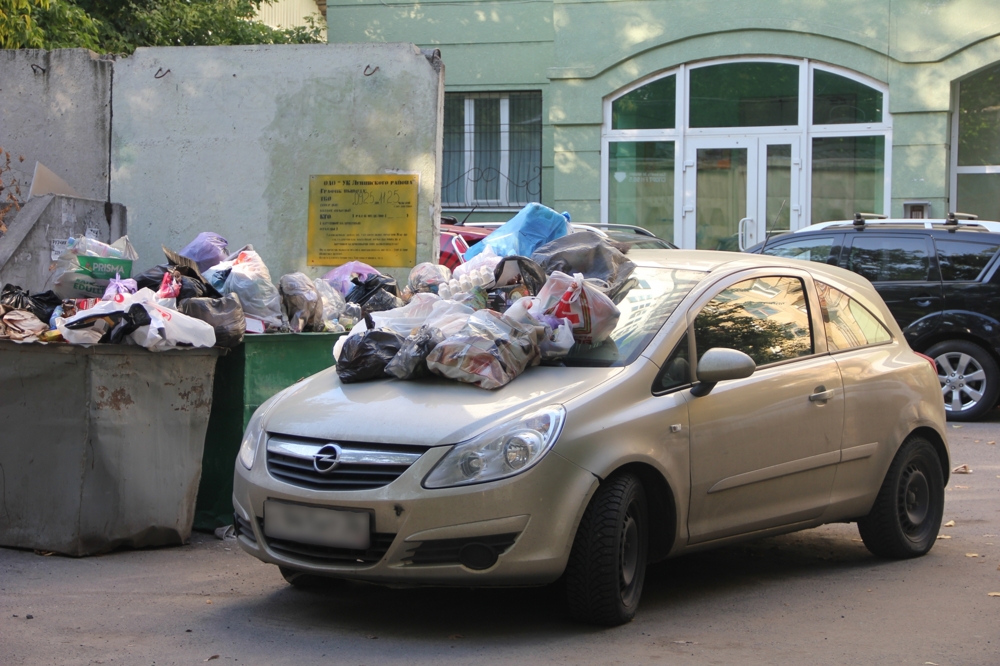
(317, 526)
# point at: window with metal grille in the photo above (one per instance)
(492, 150)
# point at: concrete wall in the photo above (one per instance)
(55, 108)
(225, 138)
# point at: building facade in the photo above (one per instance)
(697, 119)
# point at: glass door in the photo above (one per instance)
(720, 191)
(736, 190)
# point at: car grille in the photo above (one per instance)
(327, 555)
(359, 466)
(446, 551)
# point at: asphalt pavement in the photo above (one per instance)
(814, 597)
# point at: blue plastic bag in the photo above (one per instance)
(531, 228)
(207, 250)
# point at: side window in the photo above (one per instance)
(961, 261)
(807, 249)
(889, 259)
(677, 370)
(765, 318)
(848, 324)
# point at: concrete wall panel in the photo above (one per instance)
(55, 109)
(225, 139)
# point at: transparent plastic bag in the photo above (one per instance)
(251, 281)
(341, 276)
(117, 285)
(592, 314)
(490, 351)
(87, 266)
(301, 303)
(426, 277)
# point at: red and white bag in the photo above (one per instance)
(592, 314)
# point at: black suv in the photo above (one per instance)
(940, 281)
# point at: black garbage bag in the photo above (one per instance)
(515, 270)
(365, 356)
(588, 253)
(411, 360)
(40, 305)
(127, 323)
(376, 294)
(192, 284)
(224, 314)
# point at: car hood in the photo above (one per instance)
(431, 412)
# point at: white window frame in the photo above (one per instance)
(805, 129)
(469, 147)
(956, 99)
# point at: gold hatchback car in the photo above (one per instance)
(740, 396)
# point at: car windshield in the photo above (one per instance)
(654, 296)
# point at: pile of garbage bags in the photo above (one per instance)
(524, 299)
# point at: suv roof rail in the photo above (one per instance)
(954, 217)
(860, 218)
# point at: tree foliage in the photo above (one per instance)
(120, 26)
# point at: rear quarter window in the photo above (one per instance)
(848, 324)
(963, 261)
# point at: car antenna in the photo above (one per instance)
(462, 223)
(767, 234)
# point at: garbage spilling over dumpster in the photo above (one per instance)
(523, 296)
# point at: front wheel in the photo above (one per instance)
(607, 565)
(906, 517)
(970, 380)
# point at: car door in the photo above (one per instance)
(963, 266)
(763, 449)
(904, 270)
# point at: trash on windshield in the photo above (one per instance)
(365, 356)
(533, 226)
(86, 266)
(589, 254)
(592, 314)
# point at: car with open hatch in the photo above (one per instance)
(738, 397)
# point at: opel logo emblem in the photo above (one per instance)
(326, 459)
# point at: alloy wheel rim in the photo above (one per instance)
(963, 381)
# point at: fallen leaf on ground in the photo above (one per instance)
(954, 426)
(991, 442)
(950, 523)
(961, 487)
(929, 663)
(943, 536)
(976, 441)
(685, 642)
(962, 469)
(858, 540)
(994, 594)
(208, 601)
(972, 554)
(214, 656)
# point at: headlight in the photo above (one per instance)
(255, 432)
(500, 452)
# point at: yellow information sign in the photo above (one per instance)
(364, 218)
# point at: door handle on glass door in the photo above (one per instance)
(821, 394)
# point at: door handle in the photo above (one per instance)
(925, 299)
(821, 394)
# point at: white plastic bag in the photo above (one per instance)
(169, 329)
(487, 258)
(592, 314)
(251, 281)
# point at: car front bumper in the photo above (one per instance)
(528, 520)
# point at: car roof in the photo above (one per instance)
(979, 226)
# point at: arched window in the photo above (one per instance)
(708, 151)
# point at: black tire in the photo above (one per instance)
(607, 565)
(906, 517)
(970, 379)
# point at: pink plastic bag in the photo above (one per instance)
(340, 277)
(170, 287)
(592, 314)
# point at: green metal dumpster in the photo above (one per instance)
(251, 373)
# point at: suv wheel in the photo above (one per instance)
(969, 378)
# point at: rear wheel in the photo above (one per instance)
(970, 380)
(607, 565)
(906, 517)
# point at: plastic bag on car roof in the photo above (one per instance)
(341, 276)
(592, 314)
(426, 277)
(365, 356)
(224, 314)
(251, 281)
(206, 250)
(490, 351)
(533, 226)
(301, 303)
(411, 360)
(587, 253)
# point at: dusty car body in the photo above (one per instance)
(640, 452)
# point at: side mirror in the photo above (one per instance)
(719, 365)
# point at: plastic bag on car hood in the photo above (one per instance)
(490, 351)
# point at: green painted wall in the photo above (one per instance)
(580, 52)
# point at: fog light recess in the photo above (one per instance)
(477, 556)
